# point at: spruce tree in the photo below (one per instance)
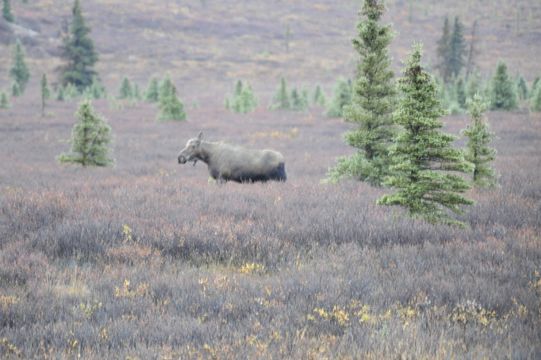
(460, 91)
(15, 89)
(535, 102)
(522, 89)
(90, 139)
(125, 91)
(372, 102)
(45, 93)
(78, 52)
(6, 11)
(443, 51)
(19, 71)
(319, 97)
(171, 108)
(474, 85)
(457, 49)
(296, 101)
(341, 98)
(503, 95)
(247, 99)
(281, 98)
(152, 93)
(425, 165)
(165, 88)
(4, 104)
(478, 151)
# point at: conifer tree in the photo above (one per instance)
(444, 50)
(474, 85)
(171, 108)
(4, 104)
(503, 95)
(6, 11)
(97, 90)
(372, 102)
(281, 98)
(460, 90)
(19, 71)
(457, 49)
(78, 52)
(136, 93)
(125, 91)
(341, 98)
(522, 89)
(247, 99)
(535, 84)
(45, 93)
(425, 163)
(152, 94)
(319, 97)
(90, 139)
(296, 101)
(15, 89)
(535, 102)
(165, 88)
(478, 151)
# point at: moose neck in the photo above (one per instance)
(205, 150)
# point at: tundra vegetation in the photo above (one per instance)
(146, 259)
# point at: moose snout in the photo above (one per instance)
(181, 159)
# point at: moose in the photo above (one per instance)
(234, 163)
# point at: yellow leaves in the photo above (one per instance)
(471, 312)
(9, 347)
(8, 300)
(88, 309)
(337, 314)
(127, 232)
(128, 291)
(251, 268)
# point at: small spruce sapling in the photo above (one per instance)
(478, 151)
(90, 139)
(45, 93)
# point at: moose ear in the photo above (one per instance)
(200, 136)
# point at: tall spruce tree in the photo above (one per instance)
(503, 95)
(6, 11)
(372, 101)
(281, 99)
(45, 93)
(443, 51)
(457, 49)
(19, 71)
(90, 139)
(78, 52)
(478, 151)
(425, 164)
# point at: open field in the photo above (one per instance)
(149, 260)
